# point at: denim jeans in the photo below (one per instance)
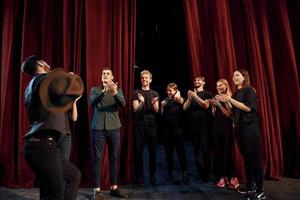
(58, 179)
(100, 138)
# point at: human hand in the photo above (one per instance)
(141, 98)
(154, 100)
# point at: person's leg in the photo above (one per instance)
(151, 142)
(138, 152)
(180, 149)
(98, 149)
(72, 177)
(169, 146)
(44, 159)
(204, 142)
(113, 141)
(65, 144)
(195, 137)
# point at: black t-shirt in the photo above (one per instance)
(248, 97)
(146, 112)
(198, 116)
(172, 112)
(221, 121)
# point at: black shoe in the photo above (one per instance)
(245, 190)
(256, 196)
(153, 181)
(97, 195)
(118, 193)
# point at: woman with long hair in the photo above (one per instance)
(223, 138)
(247, 130)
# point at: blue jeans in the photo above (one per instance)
(112, 138)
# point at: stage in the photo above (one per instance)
(283, 189)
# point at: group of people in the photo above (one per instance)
(50, 99)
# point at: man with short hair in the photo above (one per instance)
(199, 118)
(106, 100)
(48, 97)
(145, 106)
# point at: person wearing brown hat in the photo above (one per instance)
(48, 97)
(105, 101)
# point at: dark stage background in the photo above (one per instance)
(176, 40)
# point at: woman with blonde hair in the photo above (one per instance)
(223, 138)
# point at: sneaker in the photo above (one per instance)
(97, 195)
(234, 183)
(223, 182)
(118, 193)
(256, 196)
(245, 190)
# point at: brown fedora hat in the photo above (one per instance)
(59, 90)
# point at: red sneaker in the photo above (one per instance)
(223, 182)
(234, 183)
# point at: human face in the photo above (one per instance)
(170, 92)
(238, 79)
(221, 88)
(198, 82)
(145, 80)
(107, 76)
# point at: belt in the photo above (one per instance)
(34, 139)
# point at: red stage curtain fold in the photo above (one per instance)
(245, 34)
(82, 37)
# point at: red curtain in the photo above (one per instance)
(227, 34)
(81, 36)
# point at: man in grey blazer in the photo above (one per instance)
(105, 100)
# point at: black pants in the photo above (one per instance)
(223, 142)
(173, 137)
(200, 141)
(112, 138)
(59, 180)
(145, 133)
(249, 143)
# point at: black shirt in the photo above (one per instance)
(200, 117)
(248, 97)
(146, 112)
(172, 112)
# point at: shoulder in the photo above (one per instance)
(154, 92)
(96, 88)
(250, 90)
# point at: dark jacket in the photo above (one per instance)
(105, 105)
(39, 117)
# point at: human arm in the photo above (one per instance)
(233, 102)
(155, 104)
(139, 103)
(74, 113)
(203, 103)
(96, 96)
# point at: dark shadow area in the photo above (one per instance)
(161, 45)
